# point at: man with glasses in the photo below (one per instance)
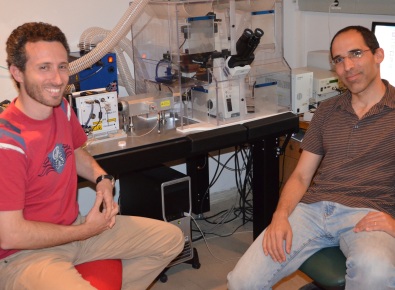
(350, 203)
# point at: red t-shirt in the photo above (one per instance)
(38, 172)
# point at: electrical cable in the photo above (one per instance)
(209, 186)
(182, 43)
(145, 134)
(89, 76)
(244, 187)
(214, 215)
(205, 241)
(210, 231)
(90, 116)
(218, 235)
(224, 218)
(223, 165)
(215, 177)
(244, 211)
(100, 115)
(226, 167)
(85, 126)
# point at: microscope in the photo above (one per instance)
(227, 98)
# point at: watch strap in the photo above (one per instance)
(106, 176)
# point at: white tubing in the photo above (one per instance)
(124, 72)
(85, 36)
(121, 29)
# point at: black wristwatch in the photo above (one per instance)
(106, 176)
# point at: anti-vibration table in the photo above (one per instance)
(262, 135)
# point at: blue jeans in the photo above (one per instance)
(370, 255)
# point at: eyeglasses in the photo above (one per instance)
(352, 54)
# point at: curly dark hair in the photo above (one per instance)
(367, 35)
(31, 32)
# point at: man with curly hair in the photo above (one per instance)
(42, 235)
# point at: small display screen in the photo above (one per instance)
(385, 34)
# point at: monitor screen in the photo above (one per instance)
(385, 34)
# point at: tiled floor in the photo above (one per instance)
(218, 255)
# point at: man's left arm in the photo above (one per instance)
(88, 168)
(376, 221)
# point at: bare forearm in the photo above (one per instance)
(18, 233)
(87, 167)
(298, 183)
(291, 195)
(36, 235)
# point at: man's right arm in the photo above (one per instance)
(298, 182)
(21, 234)
(296, 186)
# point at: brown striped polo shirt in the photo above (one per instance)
(358, 165)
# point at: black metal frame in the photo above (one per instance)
(262, 135)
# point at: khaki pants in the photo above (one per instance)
(146, 247)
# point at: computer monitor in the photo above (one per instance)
(385, 34)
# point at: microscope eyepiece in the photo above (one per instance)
(258, 32)
(243, 42)
(245, 47)
(247, 33)
(248, 42)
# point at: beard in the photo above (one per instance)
(42, 96)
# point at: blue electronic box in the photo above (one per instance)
(102, 74)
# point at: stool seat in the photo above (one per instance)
(327, 268)
(102, 274)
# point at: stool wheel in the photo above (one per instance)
(196, 265)
(163, 278)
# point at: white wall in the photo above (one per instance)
(307, 31)
(303, 32)
(72, 16)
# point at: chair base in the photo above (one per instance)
(194, 262)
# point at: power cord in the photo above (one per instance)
(244, 187)
(221, 218)
(205, 240)
(243, 196)
(85, 126)
(100, 115)
(145, 134)
(217, 174)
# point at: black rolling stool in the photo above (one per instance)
(327, 269)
